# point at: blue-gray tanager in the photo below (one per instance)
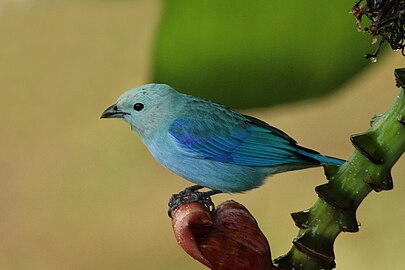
(207, 143)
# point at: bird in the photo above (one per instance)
(210, 144)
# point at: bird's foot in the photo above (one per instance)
(191, 194)
(189, 190)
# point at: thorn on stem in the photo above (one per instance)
(321, 249)
(347, 219)
(382, 181)
(366, 144)
(301, 219)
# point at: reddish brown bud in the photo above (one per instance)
(231, 239)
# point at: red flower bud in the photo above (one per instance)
(228, 239)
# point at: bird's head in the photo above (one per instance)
(145, 108)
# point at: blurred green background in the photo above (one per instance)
(255, 53)
(77, 192)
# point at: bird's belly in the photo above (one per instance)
(215, 175)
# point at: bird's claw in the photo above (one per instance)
(188, 196)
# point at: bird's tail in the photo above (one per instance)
(323, 160)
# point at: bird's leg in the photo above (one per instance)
(205, 198)
(189, 190)
(191, 194)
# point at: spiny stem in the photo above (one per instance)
(369, 168)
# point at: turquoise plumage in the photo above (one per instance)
(209, 144)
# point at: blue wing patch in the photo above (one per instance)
(251, 142)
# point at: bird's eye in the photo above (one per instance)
(138, 107)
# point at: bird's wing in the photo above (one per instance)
(249, 142)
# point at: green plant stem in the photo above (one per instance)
(368, 168)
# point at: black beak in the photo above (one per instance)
(113, 112)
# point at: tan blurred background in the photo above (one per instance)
(77, 192)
